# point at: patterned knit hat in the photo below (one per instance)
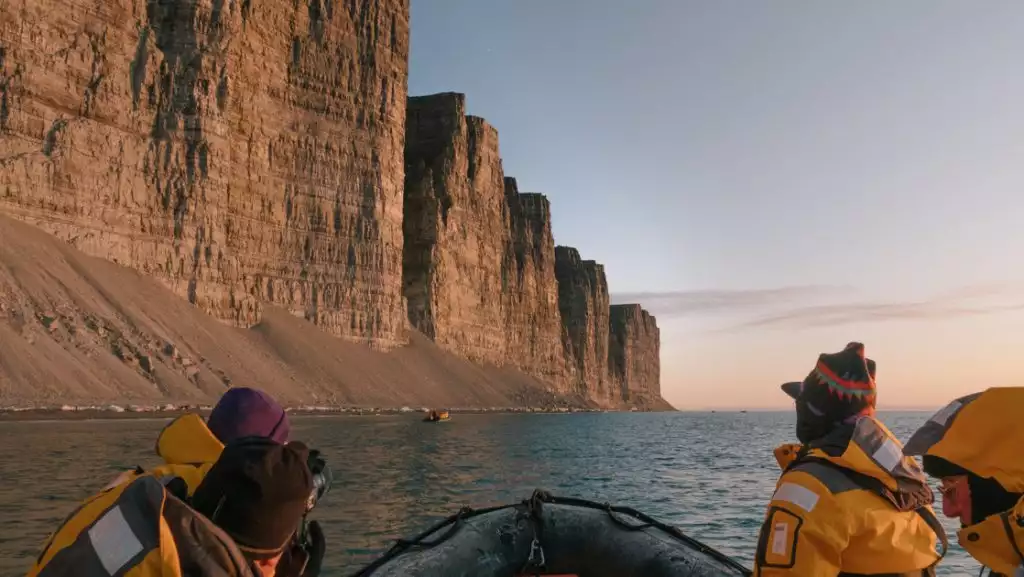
(840, 385)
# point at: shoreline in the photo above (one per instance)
(117, 412)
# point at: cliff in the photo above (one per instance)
(479, 273)
(240, 152)
(456, 228)
(263, 161)
(634, 353)
(584, 304)
(80, 330)
(533, 321)
(483, 278)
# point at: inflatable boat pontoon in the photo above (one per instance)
(547, 535)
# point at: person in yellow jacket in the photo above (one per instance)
(189, 446)
(241, 522)
(975, 446)
(848, 502)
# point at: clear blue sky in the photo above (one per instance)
(772, 179)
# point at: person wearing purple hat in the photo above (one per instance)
(244, 520)
(246, 412)
(189, 446)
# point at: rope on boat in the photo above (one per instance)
(534, 506)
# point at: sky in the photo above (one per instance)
(770, 179)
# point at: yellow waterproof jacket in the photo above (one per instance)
(983, 433)
(849, 504)
(188, 449)
(138, 529)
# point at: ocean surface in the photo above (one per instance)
(708, 473)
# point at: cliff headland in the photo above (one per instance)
(202, 193)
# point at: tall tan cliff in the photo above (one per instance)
(634, 362)
(256, 156)
(239, 151)
(456, 228)
(533, 321)
(483, 278)
(479, 272)
(584, 303)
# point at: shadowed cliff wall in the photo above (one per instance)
(533, 322)
(478, 268)
(583, 301)
(482, 275)
(456, 228)
(634, 362)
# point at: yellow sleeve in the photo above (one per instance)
(804, 532)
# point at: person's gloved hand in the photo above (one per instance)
(316, 547)
(304, 559)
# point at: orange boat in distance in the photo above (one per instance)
(436, 417)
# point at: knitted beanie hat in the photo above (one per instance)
(840, 385)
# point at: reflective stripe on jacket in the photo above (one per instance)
(850, 504)
(138, 529)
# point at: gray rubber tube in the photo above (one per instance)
(577, 540)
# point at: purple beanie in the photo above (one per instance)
(245, 412)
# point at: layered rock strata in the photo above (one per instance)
(239, 151)
(634, 363)
(483, 278)
(456, 228)
(533, 321)
(478, 270)
(583, 302)
(246, 153)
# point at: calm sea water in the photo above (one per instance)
(708, 473)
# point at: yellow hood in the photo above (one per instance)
(867, 447)
(995, 542)
(981, 433)
(188, 441)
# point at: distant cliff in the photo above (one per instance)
(255, 156)
(634, 359)
(478, 271)
(483, 278)
(583, 302)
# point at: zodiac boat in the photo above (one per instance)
(548, 535)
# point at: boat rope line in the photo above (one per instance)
(646, 522)
(534, 508)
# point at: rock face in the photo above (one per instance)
(634, 347)
(456, 228)
(248, 154)
(584, 304)
(533, 320)
(80, 330)
(238, 151)
(479, 272)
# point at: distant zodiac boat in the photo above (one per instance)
(548, 535)
(437, 416)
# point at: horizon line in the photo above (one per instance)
(783, 409)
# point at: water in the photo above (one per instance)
(709, 473)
